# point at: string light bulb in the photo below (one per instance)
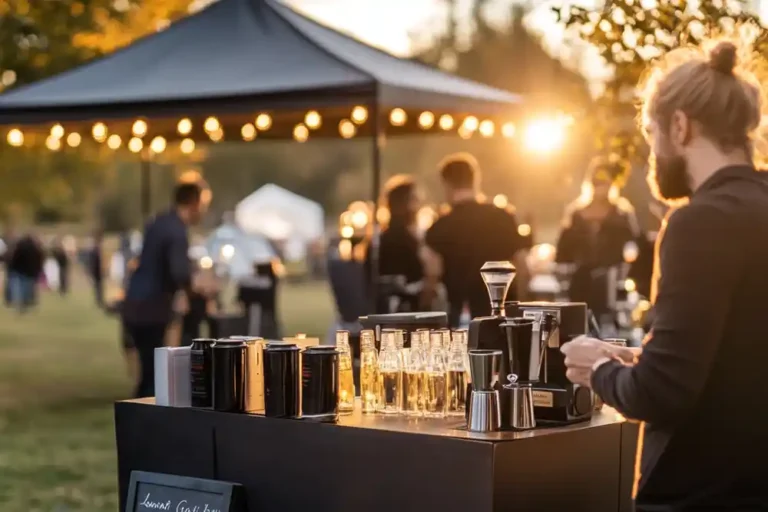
(398, 117)
(53, 143)
(187, 146)
(300, 133)
(471, 123)
(184, 127)
(508, 130)
(74, 139)
(464, 132)
(139, 128)
(135, 145)
(313, 120)
(114, 141)
(15, 137)
(263, 122)
(57, 131)
(359, 114)
(99, 132)
(347, 129)
(211, 125)
(157, 145)
(426, 120)
(248, 131)
(487, 128)
(446, 122)
(216, 136)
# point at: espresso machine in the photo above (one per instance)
(555, 398)
(533, 386)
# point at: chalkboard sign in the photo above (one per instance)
(152, 492)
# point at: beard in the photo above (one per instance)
(668, 178)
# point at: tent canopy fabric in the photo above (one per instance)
(279, 214)
(243, 53)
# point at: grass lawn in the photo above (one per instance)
(60, 371)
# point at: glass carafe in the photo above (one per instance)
(369, 372)
(346, 378)
(390, 374)
(435, 397)
(456, 372)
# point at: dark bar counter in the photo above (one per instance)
(373, 463)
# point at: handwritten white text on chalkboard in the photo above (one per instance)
(182, 506)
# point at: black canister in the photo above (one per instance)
(228, 358)
(281, 380)
(200, 373)
(320, 383)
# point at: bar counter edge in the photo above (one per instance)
(375, 463)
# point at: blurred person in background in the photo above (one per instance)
(9, 240)
(400, 246)
(200, 304)
(162, 272)
(596, 228)
(24, 270)
(460, 242)
(59, 255)
(96, 267)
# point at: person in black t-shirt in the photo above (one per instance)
(472, 233)
(399, 245)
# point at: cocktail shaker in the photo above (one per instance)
(320, 384)
(484, 408)
(228, 358)
(281, 380)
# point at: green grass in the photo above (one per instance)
(61, 369)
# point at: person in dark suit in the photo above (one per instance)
(163, 270)
(698, 384)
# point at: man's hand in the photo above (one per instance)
(584, 354)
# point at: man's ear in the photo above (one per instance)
(680, 130)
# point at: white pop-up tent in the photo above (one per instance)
(280, 215)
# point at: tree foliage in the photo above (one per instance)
(629, 36)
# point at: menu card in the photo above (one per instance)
(172, 376)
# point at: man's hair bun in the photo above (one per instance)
(722, 58)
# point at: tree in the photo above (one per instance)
(628, 37)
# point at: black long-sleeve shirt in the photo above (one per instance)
(700, 383)
(163, 269)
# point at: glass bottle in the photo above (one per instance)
(346, 378)
(456, 371)
(369, 372)
(414, 374)
(390, 374)
(402, 354)
(434, 401)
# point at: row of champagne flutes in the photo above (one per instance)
(428, 379)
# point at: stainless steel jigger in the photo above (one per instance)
(484, 407)
(522, 404)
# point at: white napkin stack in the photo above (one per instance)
(172, 376)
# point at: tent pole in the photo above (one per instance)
(145, 186)
(377, 139)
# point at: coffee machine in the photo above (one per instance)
(555, 398)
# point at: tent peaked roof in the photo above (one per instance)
(239, 53)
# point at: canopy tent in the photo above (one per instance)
(238, 251)
(242, 69)
(243, 54)
(279, 214)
